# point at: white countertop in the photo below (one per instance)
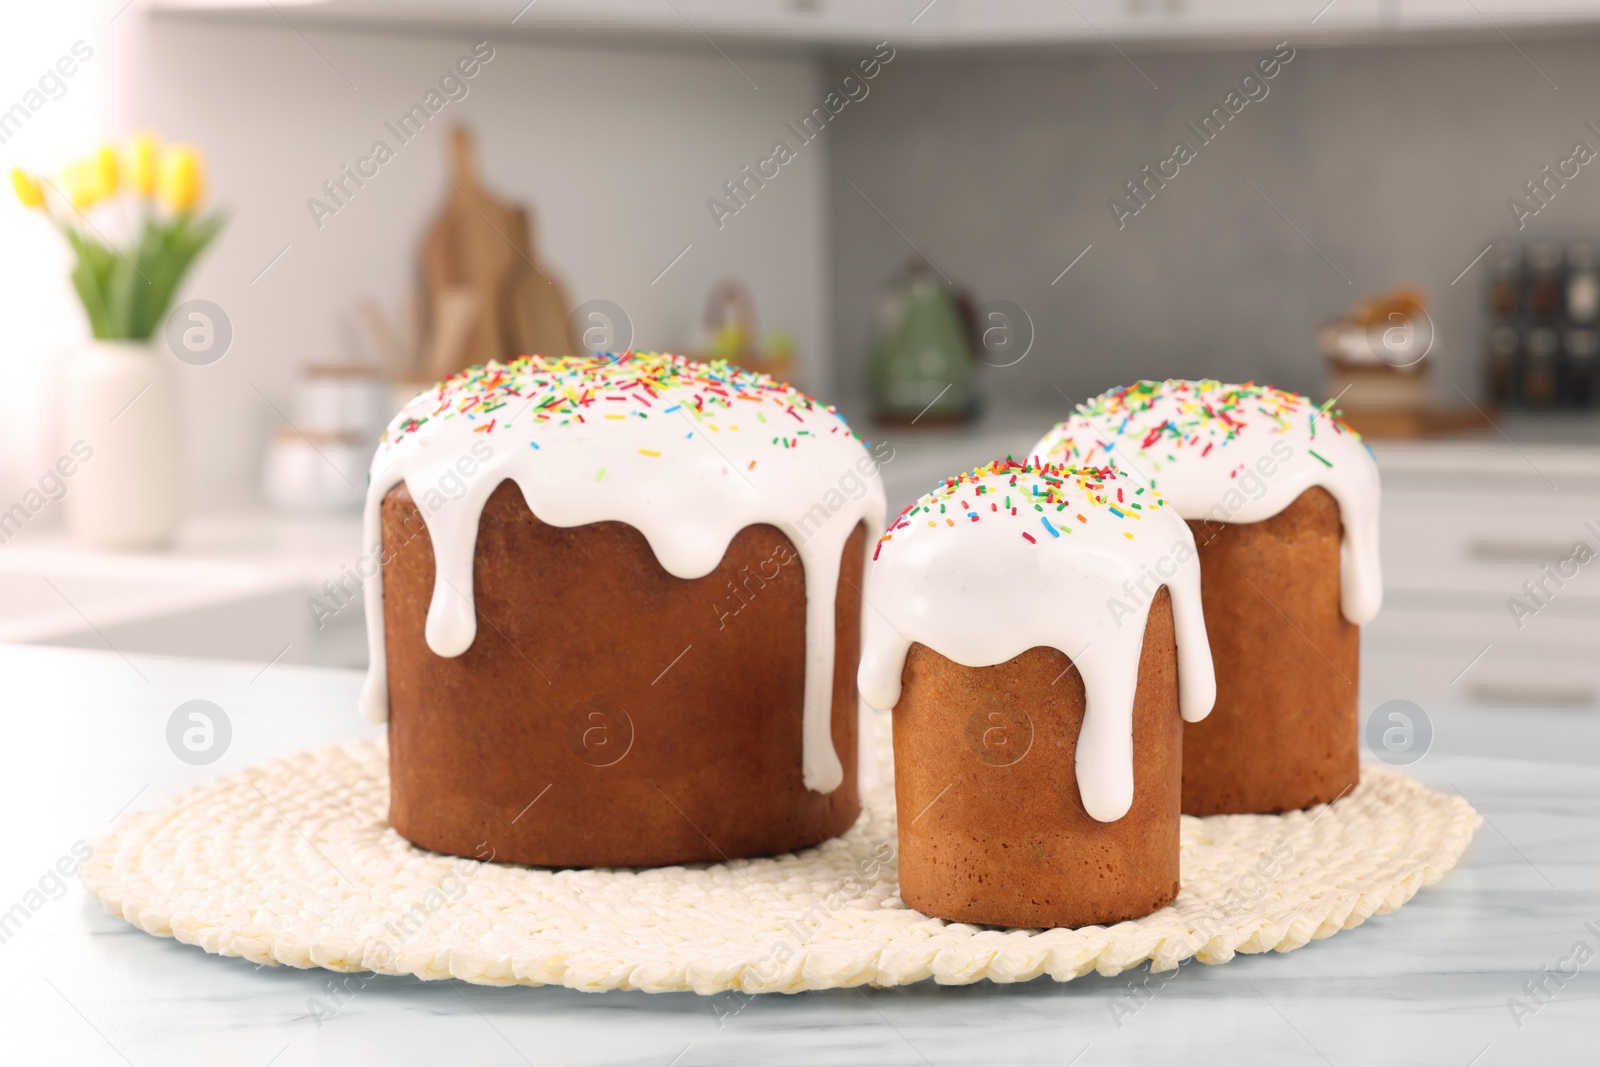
(234, 585)
(85, 740)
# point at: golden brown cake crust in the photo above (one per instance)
(994, 832)
(1284, 731)
(574, 699)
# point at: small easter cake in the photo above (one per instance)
(617, 620)
(1282, 497)
(1038, 632)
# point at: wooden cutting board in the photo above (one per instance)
(483, 243)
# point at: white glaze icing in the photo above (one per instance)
(687, 453)
(982, 576)
(1235, 453)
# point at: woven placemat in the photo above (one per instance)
(295, 863)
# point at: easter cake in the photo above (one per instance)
(617, 616)
(1038, 734)
(1282, 497)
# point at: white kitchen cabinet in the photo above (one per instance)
(1025, 21)
(1466, 530)
(798, 22)
(930, 24)
(1451, 14)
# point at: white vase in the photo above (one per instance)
(122, 402)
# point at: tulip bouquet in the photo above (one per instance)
(151, 194)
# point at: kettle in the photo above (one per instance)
(921, 367)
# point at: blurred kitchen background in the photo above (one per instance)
(978, 219)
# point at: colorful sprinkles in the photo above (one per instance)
(1041, 485)
(1160, 419)
(571, 390)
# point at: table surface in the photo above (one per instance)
(1435, 983)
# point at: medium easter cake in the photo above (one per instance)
(1282, 497)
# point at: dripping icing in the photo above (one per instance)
(1200, 441)
(687, 453)
(974, 572)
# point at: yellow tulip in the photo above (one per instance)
(142, 158)
(28, 189)
(104, 163)
(83, 184)
(91, 180)
(181, 182)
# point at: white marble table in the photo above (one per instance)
(84, 738)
